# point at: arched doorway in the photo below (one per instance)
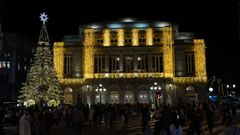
(114, 95)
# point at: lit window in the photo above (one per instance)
(99, 63)
(8, 64)
(68, 64)
(189, 62)
(142, 63)
(18, 66)
(114, 63)
(157, 62)
(2, 64)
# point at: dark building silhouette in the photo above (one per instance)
(15, 59)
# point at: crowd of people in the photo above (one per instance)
(169, 119)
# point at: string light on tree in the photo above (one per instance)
(42, 85)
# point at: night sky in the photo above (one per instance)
(217, 23)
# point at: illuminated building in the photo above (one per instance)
(127, 57)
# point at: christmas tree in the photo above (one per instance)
(42, 85)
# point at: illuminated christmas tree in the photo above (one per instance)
(42, 85)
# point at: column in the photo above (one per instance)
(135, 37)
(88, 54)
(120, 37)
(168, 54)
(149, 37)
(106, 37)
(58, 58)
(199, 58)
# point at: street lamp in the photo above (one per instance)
(175, 93)
(210, 89)
(100, 89)
(155, 87)
(88, 94)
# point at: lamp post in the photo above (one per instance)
(231, 90)
(156, 88)
(100, 89)
(88, 94)
(170, 89)
(210, 96)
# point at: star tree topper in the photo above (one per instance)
(43, 17)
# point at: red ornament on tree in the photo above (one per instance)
(43, 88)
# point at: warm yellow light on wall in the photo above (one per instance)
(72, 81)
(200, 59)
(190, 80)
(88, 53)
(167, 37)
(135, 37)
(58, 57)
(149, 36)
(168, 55)
(120, 37)
(106, 37)
(128, 75)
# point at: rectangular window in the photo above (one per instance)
(128, 63)
(68, 64)
(157, 63)
(114, 63)
(99, 63)
(128, 40)
(99, 41)
(8, 64)
(189, 62)
(2, 64)
(114, 41)
(156, 40)
(142, 40)
(142, 63)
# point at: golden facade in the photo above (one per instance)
(129, 62)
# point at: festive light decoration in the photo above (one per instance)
(129, 75)
(165, 47)
(106, 37)
(42, 84)
(190, 80)
(149, 36)
(52, 103)
(58, 54)
(43, 17)
(168, 60)
(135, 37)
(43, 88)
(200, 59)
(88, 53)
(120, 37)
(29, 103)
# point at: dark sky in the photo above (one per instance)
(217, 23)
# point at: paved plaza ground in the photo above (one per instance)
(134, 128)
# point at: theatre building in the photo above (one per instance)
(131, 61)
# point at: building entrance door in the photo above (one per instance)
(128, 97)
(114, 97)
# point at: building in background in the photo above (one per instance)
(131, 61)
(15, 59)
